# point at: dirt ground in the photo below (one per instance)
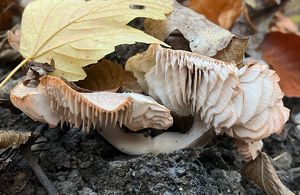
(79, 163)
(85, 164)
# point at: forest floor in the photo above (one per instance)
(80, 163)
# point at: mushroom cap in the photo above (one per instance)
(59, 102)
(245, 104)
(34, 104)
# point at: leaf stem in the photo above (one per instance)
(13, 72)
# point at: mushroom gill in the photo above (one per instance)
(245, 104)
(53, 101)
(85, 109)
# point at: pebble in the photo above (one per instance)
(85, 165)
(296, 118)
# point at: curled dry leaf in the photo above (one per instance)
(53, 101)
(13, 138)
(87, 32)
(107, 75)
(204, 37)
(244, 103)
(281, 51)
(262, 172)
(221, 12)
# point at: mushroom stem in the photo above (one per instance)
(136, 144)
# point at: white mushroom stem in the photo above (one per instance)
(138, 143)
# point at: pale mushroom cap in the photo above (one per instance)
(245, 104)
(34, 104)
(263, 112)
(53, 101)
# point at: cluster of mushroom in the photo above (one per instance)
(245, 103)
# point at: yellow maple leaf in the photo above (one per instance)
(77, 33)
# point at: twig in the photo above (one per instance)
(49, 187)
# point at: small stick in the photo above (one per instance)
(49, 187)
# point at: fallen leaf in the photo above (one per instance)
(13, 39)
(255, 22)
(13, 138)
(284, 24)
(77, 33)
(234, 52)
(204, 37)
(262, 172)
(107, 75)
(8, 9)
(281, 51)
(221, 12)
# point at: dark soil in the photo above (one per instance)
(79, 163)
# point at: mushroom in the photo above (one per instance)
(244, 103)
(135, 111)
(53, 101)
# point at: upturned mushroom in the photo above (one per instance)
(244, 103)
(53, 101)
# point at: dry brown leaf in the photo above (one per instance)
(254, 23)
(221, 12)
(204, 37)
(107, 75)
(281, 51)
(262, 172)
(8, 9)
(13, 138)
(234, 52)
